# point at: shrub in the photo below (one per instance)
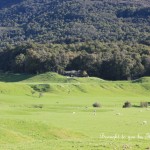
(41, 87)
(127, 105)
(144, 104)
(96, 105)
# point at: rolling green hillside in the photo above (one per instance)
(142, 80)
(58, 84)
(63, 117)
(43, 110)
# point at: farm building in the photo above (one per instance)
(74, 73)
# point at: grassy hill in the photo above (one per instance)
(142, 80)
(46, 77)
(54, 83)
(63, 118)
(49, 77)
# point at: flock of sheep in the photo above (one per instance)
(118, 114)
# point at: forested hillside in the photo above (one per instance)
(76, 20)
(112, 35)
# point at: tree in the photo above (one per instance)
(20, 61)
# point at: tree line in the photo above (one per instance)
(111, 61)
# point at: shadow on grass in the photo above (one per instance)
(136, 106)
(11, 77)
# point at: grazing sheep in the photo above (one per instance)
(94, 112)
(144, 122)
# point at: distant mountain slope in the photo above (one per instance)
(109, 39)
(8, 3)
(73, 20)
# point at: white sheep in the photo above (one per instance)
(94, 112)
(144, 122)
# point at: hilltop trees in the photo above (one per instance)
(107, 39)
(132, 12)
(83, 61)
(19, 65)
(146, 63)
(110, 61)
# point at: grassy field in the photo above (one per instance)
(64, 119)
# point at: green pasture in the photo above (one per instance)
(63, 117)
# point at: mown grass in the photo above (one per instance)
(64, 119)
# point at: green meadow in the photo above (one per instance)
(63, 118)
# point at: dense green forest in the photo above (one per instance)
(108, 39)
(111, 61)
